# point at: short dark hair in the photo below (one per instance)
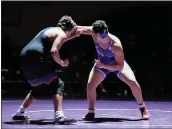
(99, 26)
(66, 23)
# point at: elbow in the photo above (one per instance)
(54, 53)
(54, 50)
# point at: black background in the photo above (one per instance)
(144, 29)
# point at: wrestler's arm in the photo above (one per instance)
(58, 42)
(67, 38)
(119, 57)
(86, 30)
(72, 36)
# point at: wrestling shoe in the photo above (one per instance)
(63, 120)
(89, 117)
(21, 117)
(144, 113)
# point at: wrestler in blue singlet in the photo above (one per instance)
(36, 61)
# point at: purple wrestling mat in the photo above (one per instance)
(109, 114)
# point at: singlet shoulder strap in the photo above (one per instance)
(111, 43)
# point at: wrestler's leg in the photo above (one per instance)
(57, 90)
(30, 98)
(95, 78)
(127, 76)
(28, 70)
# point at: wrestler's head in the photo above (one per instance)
(100, 28)
(67, 24)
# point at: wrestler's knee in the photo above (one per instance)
(34, 93)
(133, 84)
(60, 90)
(57, 87)
(90, 87)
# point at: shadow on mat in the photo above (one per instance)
(33, 122)
(105, 119)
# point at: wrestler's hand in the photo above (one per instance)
(99, 64)
(64, 63)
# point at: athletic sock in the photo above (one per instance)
(91, 111)
(59, 114)
(141, 105)
(21, 110)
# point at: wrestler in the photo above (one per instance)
(110, 59)
(36, 64)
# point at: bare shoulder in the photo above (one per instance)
(117, 43)
(54, 32)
